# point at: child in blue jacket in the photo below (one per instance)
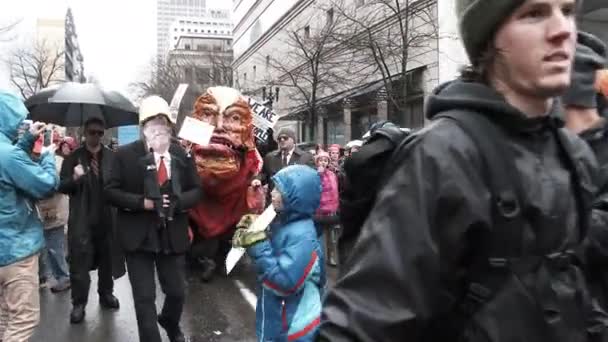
(288, 259)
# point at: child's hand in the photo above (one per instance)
(245, 238)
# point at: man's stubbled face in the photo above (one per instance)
(230, 113)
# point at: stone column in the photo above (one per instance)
(322, 113)
(348, 130)
(382, 104)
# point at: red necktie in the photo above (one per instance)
(162, 172)
(95, 164)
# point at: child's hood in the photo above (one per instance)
(301, 188)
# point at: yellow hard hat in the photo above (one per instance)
(153, 106)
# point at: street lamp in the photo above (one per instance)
(271, 97)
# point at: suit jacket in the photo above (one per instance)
(80, 236)
(273, 163)
(133, 178)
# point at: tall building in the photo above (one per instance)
(74, 62)
(166, 13)
(345, 110)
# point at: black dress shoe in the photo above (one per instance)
(108, 301)
(174, 332)
(77, 315)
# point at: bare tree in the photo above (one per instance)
(206, 70)
(35, 67)
(6, 29)
(312, 67)
(388, 36)
(198, 69)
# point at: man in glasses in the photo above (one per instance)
(90, 232)
(288, 154)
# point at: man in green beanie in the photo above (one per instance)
(468, 245)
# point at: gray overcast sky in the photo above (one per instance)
(117, 37)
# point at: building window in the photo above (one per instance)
(187, 46)
(267, 61)
(307, 31)
(245, 77)
(254, 72)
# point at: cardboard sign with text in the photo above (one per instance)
(263, 119)
(177, 100)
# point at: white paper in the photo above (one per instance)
(196, 131)
(177, 100)
(264, 219)
(233, 257)
(260, 224)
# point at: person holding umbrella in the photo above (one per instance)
(91, 221)
(153, 183)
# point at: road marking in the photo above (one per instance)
(249, 296)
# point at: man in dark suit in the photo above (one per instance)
(287, 154)
(91, 231)
(153, 183)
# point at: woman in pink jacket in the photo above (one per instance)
(326, 216)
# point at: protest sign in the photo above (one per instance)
(263, 119)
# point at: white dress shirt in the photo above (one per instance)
(166, 158)
(289, 154)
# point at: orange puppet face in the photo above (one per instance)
(227, 110)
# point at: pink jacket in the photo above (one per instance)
(330, 199)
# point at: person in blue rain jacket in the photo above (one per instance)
(22, 182)
(288, 259)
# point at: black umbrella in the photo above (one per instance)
(72, 104)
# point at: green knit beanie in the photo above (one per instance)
(479, 21)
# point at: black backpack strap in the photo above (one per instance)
(500, 174)
(495, 248)
(582, 206)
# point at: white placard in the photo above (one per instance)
(260, 224)
(263, 119)
(177, 100)
(196, 131)
(233, 257)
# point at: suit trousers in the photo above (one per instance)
(172, 277)
(81, 262)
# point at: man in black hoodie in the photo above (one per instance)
(415, 273)
(583, 113)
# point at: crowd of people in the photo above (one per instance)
(489, 224)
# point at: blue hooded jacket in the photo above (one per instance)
(290, 264)
(22, 181)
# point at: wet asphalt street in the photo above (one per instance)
(219, 311)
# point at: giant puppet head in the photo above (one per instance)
(232, 145)
(228, 164)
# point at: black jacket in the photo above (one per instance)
(273, 163)
(414, 247)
(80, 232)
(132, 167)
(597, 257)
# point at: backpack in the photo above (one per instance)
(499, 254)
(361, 178)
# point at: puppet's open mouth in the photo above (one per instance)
(221, 157)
